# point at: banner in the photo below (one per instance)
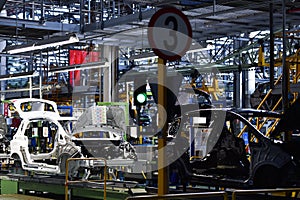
(77, 56)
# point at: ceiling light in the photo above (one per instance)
(143, 56)
(19, 75)
(91, 65)
(21, 49)
(52, 42)
(60, 42)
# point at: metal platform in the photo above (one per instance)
(44, 187)
(55, 185)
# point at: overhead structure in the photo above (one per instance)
(2, 3)
(209, 19)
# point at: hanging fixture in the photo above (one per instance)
(80, 67)
(51, 42)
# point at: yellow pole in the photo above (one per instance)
(66, 180)
(261, 57)
(163, 182)
(104, 192)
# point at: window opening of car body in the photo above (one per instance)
(200, 129)
(251, 136)
(41, 136)
(36, 106)
(94, 134)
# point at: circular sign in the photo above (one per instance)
(169, 33)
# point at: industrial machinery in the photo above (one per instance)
(219, 155)
(43, 143)
(213, 146)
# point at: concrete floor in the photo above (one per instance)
(20, 197)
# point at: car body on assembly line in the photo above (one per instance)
(226, 150)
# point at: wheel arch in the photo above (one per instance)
(266, 175)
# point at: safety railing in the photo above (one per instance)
(269, 93)
(235, 193)
(224, 194)
(261, 104)
(68, 182)
(269, 131)
(182, 196)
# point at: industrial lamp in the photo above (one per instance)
(52, 42)
(91, 65)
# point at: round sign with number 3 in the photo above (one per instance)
(169, 33)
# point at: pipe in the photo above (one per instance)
(285, 68)
(271, 47)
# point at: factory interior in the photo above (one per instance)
(140, 99)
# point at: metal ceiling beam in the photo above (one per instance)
(120, 20)
(30, 24)
(242, 49)
(229, 25)
(248, 6)
(2, 3)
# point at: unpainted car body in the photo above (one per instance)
(103, 141)
(40, 143)
(219, 156)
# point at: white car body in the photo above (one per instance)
(61, 140)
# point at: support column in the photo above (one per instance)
(81, 14)
(237, 81)
(244, 89)
(2, 72)
(251, 85)
(237, 95)
(285, 68)
(271, 48)
(110, 53)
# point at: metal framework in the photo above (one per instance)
(234, 29)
